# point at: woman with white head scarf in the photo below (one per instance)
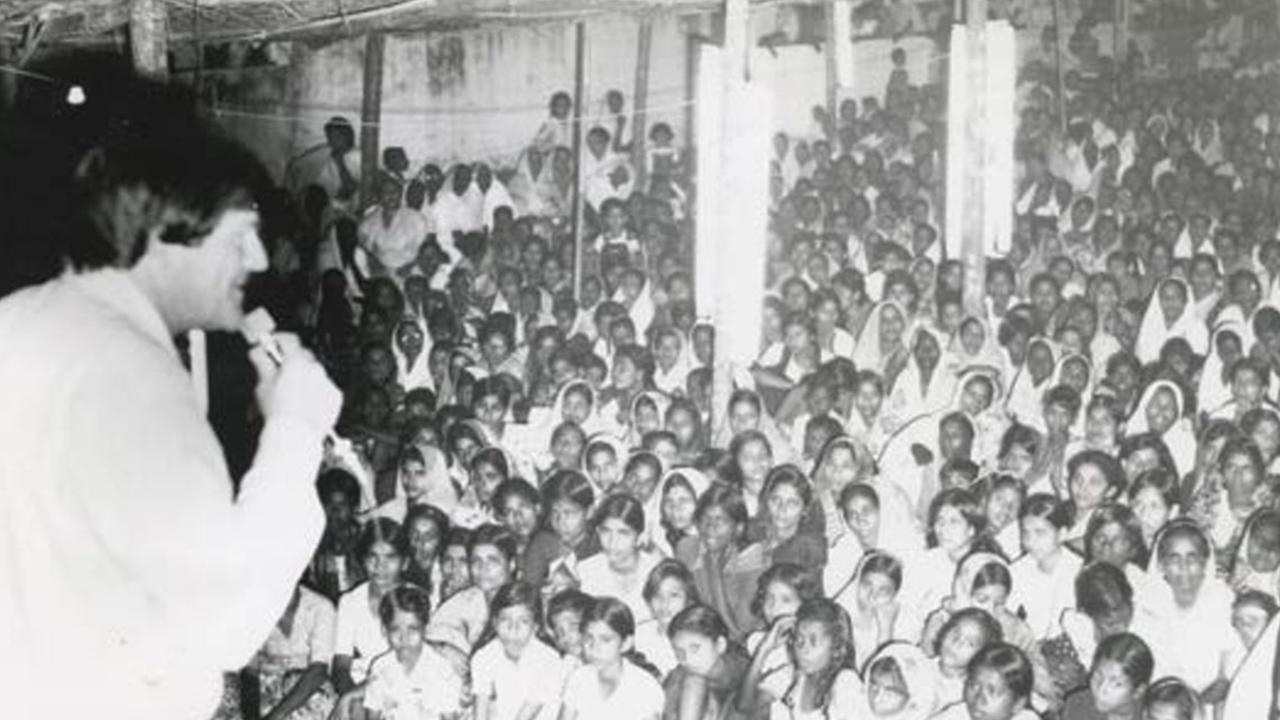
(1187, 616)
(1214, 388)
(979, 394)
(1162, 409)
(411, 349)
(974, 343)
(882, 345)
(925, 385)
(669, 512)
(982, 580)
(909, 663)
(1170, 315)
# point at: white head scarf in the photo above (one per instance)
(989, 353)
(1155, 332)
(1213, 391)
(654, 530)
(869, 354)
(917, 672)
(1180, 437)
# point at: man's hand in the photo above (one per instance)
(298, 387)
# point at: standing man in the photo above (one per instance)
(133, 576)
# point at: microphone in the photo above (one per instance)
(257, 329)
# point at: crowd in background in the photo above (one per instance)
(1060, 506)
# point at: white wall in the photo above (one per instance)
(471, 95)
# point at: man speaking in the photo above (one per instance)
(133, 575)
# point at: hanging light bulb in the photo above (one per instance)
(75, 96)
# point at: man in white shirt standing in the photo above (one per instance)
(134, 574)
(334, 166)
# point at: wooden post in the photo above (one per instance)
(733, 81)
(149, 37)
(371, 115)
(1120, 42)
(644, 44)
(973, 240)
(833, 61)
(693, 55)
(1057, 61)
(579, 89)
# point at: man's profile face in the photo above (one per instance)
(214, 272)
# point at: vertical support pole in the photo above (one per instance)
(832, 53)
(644, 46)
(973, 244)
(1121, 44)
(371, 114)
(579, 89)
(1057, 61)
(733, 63)
(693, 58)
(149, 37)
(981, 123)
(743, 187)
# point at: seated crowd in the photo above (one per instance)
(1055, 501)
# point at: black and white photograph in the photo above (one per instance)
(640, 359)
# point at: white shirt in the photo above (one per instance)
(1044, 595)
(453, 213)
(654, 644)
(359, 633)
(598, 579)
(129, 566)
(310, 638)
(534, 678)
(430, 690)
(637, 696)
(395, 244)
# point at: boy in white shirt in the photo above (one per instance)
(413, 681)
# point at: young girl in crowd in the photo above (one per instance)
(997, 687)
(1121, 671)
(669, 590)
(515, 674)
(785, 499)
(781, 591)
(955, 522)
(359, 638)
(622, 566)
(1044, 577)
(899, 683)
(963, 635)
(610, 684)
(824, 683)
(871, 597)
(675, 504)
(724, 573)
(492, 555)
(711, 667)
(1169, 698)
